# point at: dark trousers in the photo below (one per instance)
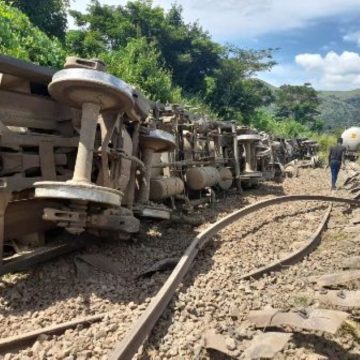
(335, 168)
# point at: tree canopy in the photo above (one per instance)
(231, 91)
(48, 15)
(138, 63)
(200, 67)
(186, 50)
(298, 102)
(167, 58)
(21, 39)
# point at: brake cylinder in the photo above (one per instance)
(198, 178)
(162, 188)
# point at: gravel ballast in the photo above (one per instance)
(211, 293)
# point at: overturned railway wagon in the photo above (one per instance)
(83, 151)
(67, 140)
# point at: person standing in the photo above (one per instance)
(336, 159)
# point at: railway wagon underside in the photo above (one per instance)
(39, 151)
(82, 150)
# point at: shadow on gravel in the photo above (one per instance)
(269, 188)
(281, 217)
(322, 346)
(54, 286)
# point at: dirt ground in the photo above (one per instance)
(55, 292)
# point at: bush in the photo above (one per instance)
(325, 141)
(138, 64)
(21, 39)
(289, 128)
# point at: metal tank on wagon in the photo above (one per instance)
(351, 140)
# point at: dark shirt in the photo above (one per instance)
(336, 153)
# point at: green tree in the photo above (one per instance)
(21, 39)
(300, 103)
(48, 15)
(232, 92)
(138, 64)
(186, 50)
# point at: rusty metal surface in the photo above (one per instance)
(266, 346)
(29, 110)
(75, 87)
(26, 70)
(158, 141)
(162, 188)
(24, 262)
(75, 62)
(161, 265)
(47, 160)
(86, 192)
(126, 348)
(339, 278)
(5, 197)
(343, 298)
(12, 342)
(24, 217)
(198, 178)
(295, 256)
(308, 319)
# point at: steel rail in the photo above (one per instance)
(127, 348)
(19, 341)
(54, 249)
(294, 256)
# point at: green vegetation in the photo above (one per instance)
(21, 39)
(289, 128)
(170, 61)
(185, 49)
(299, 103)
(139, 64)
(48, 15)
(340, 109)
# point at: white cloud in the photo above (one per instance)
(230, 19)
(332, 71)
(283, 74)
(353, 37)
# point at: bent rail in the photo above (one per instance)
(126, 348)
(294, 256)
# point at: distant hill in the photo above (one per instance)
(339, 109)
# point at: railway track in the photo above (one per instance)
(135, 338)
(141, 330)
(129, 346)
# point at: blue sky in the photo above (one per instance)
(319, 40)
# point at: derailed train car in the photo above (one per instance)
(70, 150)
(84, 151)
(210, 156)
